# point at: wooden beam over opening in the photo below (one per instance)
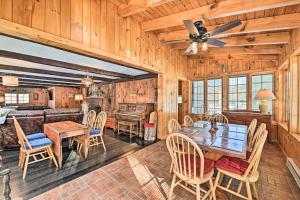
(281, 22)
(136, 6)
(249, 40)
(267, 49)
(213, 11)
(40, 71)
(61, 64)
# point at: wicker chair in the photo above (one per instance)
(188, 121)
(173, 125)
(220, 118)
(241, 170)
(39, 149)
(190, 167)
(96, 132)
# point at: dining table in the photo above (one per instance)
(225, 139)
(57, 131)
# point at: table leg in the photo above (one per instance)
(86, 146)
(56, 146)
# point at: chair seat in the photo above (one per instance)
(95, 132)
(39, 143)
(208, 164)
(35, 136)
(234, 165)
(149, 124)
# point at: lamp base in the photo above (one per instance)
(263, 107)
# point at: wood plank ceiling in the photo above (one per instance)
(266, 24)
(43, 66)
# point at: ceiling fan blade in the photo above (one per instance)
(173, 42)
(215, 42)
(225, 27)
(193, 47)
(191, 27)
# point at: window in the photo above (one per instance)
(214, 96)
(23, 98)
(263, 81)
(237, 93)
(10, 98)
(287, 91)
(198, 97)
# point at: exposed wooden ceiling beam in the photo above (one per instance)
(43, 85)
(233, 57)
(40, 71)
(136, 6)
(259, 39)
(281, 22)
(267, 49)
(61, 64)
(43, 78)
(47, 83)
(217, 10)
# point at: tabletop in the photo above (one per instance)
(65, 127)
(228, 139)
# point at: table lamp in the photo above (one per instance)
(264, 95)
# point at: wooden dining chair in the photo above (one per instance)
(190, 167)
(251, 131)
(220, 118)
(95, 133)
(188, 121)
(38, 149)
(173, 125)
(261, 128)
(242, 171)
(89, 123)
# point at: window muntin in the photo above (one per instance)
(214, 96)
(262, 81)
(237, 93)
(23, 98)
(198, 97)
(10, 98)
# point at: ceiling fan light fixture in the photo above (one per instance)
(195, 47)
(204, 46)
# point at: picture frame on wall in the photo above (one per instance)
(35, 96)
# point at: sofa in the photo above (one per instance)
(32, 121)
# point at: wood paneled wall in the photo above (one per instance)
(139, 91)
(64, 97)
(94, 28)
(291, 47)
(41, 92)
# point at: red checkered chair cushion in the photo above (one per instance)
(208, 164)
(234, 165)
(149, 124)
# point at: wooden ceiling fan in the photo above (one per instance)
(200, 36)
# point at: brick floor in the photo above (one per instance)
(145, 175)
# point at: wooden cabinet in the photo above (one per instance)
(111, 123)
(246, 117)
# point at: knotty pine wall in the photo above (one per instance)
(42, 94)
(65, 97)
(94, 28)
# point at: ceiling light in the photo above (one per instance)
(195, 47)
(10, 81)
(87, 81)
(204, 46)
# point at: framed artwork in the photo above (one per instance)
(35, 96)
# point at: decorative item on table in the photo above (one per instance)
(264, 95)
(213, 125)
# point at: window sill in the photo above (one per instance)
(284, 125)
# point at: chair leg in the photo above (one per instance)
(26, 166)
(103, 143)
(217, 181)
(52, 157)
(23, 160)
(171, 168)
(20, 159)
(71, 142)
(198, 192)
(211, 185)
(255, 190)
(172, 187)
(248, 191)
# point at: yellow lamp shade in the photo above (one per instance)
(265, 94)
(2, 99)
